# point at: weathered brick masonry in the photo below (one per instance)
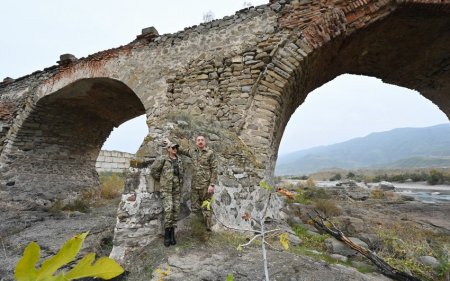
(113, 161)
(244, 74)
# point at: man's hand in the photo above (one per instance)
(211, 189)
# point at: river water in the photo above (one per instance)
(421, 191)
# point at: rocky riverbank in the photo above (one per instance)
(50, 228)
(213, 256)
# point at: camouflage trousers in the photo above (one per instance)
(171, 196)
(197, 198)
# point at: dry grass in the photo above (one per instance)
(403, 242)
(328, 207)
(111, 186)
(377, 194)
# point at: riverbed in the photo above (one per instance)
(424, 192)
(421, 191)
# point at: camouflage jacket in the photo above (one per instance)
(162, 171)
(205, 166)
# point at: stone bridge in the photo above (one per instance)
(243, 76)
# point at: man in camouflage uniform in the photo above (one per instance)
(203, 178)
(168, 170)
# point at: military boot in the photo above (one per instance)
(172, 236)
(167, 237)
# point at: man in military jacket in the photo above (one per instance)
(168, 170)
(204, 177)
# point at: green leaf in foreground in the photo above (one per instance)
(66, 254)
(104, 268)
(26, 267)
(26, 270)
(284, 240)
(206, 204)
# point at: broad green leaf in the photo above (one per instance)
(26, 267)
(65, 255)
(230, 277)
(239, 248)
(265, 185)
(104, 268)
(284, 240)
(59, 277)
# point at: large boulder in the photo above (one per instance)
(351, 225)
(429, 260)
(386, 186)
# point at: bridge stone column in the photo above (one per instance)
(237, 190)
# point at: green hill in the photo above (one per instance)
(398, 148)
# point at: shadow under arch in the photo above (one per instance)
(408, 48)
(54, 152)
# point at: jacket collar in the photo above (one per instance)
(206, 149)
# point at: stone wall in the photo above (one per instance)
(113, 161)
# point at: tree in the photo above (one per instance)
(435, 177)
(208, 16)
(336, 177)
(350, 175)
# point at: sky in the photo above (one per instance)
(36, 33)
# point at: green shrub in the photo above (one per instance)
(350, 175)
(336, 177)
(311, 241)
(300, 197)
(443, 270)
(435, 177)
(316, 193)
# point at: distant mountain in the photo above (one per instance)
(397, 148)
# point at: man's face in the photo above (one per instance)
(172, 150)
(200, 142)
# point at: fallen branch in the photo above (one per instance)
(385, 268)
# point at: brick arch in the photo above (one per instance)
(406, 45)
(55, 149)
(247, 73)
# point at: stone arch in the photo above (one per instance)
(53, 152)
(407, 47)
